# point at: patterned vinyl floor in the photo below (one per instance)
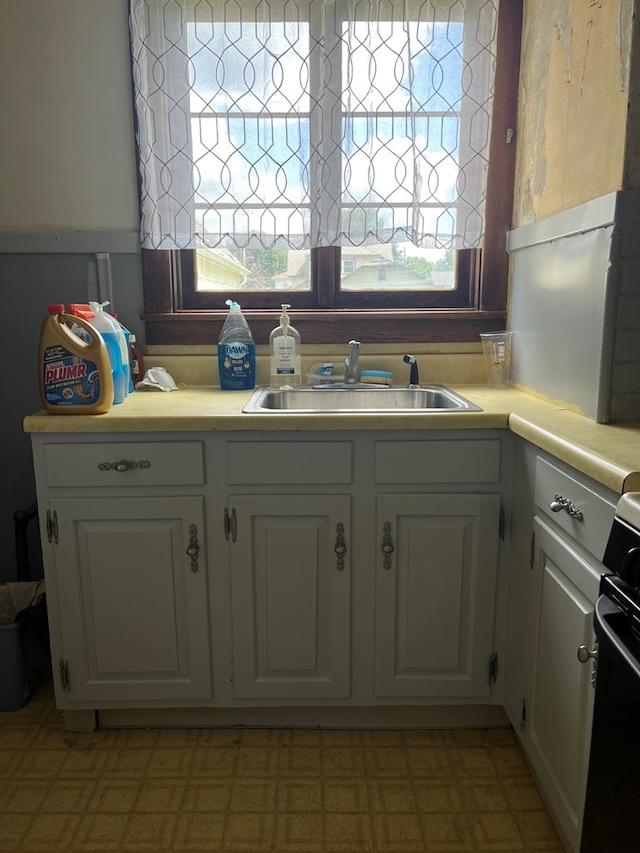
(250, 790)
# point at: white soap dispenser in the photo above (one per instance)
(284, 343)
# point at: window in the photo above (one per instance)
(362, 232)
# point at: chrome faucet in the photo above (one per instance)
(351, 363)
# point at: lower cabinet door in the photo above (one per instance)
(132, 599)
(559, 709)
(290, 583)
(436, 575)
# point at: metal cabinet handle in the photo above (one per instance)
(560, 503)
(124, 465)
(193, 551)
(52, 526)
(387, 545)
(584, 654)
(340, 547)
(230, 525)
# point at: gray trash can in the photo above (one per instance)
(13, 687)
(24, 642)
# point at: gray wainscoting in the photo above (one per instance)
(34, 271)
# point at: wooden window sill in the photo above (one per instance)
(320, 326)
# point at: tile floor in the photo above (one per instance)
(250, 790)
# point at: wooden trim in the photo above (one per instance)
(325, 272)
(157, 279)
(502, 160)
(328, 327)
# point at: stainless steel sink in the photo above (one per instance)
(348, 398)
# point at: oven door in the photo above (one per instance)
(611, 821)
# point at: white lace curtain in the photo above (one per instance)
(305, 123)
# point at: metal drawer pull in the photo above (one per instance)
(124, 465)
(559, 503)
(340, 546)
(193, 550)
(387, 545)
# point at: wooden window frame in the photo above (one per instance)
(479, 305)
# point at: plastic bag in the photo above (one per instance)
(157, 379)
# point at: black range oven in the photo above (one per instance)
(611, 821)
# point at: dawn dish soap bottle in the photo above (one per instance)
(236, 352)
(284, 344)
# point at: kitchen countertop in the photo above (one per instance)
(610, 454)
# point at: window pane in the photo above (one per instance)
(397, 266)
(250, 103)
(402, 100)
(232, 270)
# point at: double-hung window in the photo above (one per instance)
(353, 159)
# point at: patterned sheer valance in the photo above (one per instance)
(306, 123)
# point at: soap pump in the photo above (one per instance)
(285, 361)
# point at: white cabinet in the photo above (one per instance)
(436, 565)
(553, 586)
(290, 551)
(132, 598)
(290, 592)
(559, 711)
(435, 594)
(124, 542)
(295, 604)
(296, 625)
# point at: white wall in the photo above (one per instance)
(67, 155)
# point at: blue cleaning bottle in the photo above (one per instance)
(102, 322)
(236, 352)
(127, 354)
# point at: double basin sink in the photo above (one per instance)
(357, 398)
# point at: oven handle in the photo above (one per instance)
(602, 624)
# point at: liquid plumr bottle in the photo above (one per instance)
(75, 372)
(236, 352)
(284, 342)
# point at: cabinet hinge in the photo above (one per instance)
(493, 668)
(532, 549)
(64, 674)
(501, 523)
(523, 716)
(52, 526)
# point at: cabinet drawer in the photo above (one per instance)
(592, 529)
(144, 463)
(289, 462)
(475, 461)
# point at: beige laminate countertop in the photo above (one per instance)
(609, 454)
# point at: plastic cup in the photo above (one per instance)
(496, 349)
